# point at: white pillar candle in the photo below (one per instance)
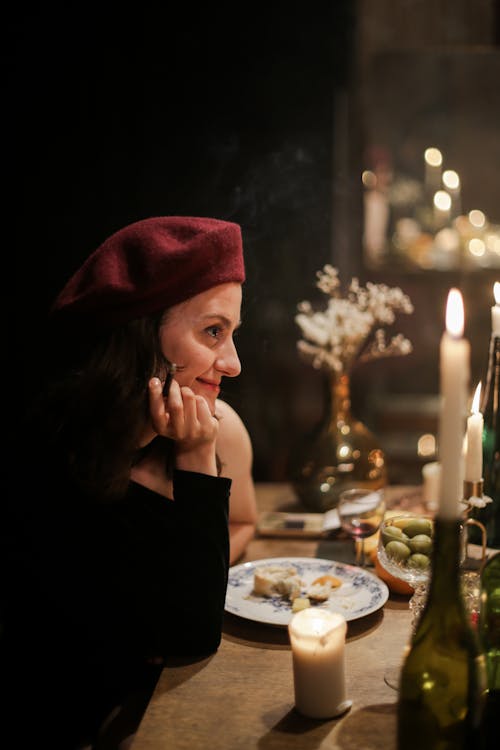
(433, 166)
(454, 372)
(474, 455)
(451, 182)
(317, 637)
(431, 475)
(495, 310)
(442, 209)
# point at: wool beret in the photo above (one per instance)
(149, 266)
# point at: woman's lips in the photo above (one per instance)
(212, 387)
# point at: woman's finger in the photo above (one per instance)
(174, 405)
(203, 412)
(191, 425)
(159, 417)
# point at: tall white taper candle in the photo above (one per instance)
(495, 310)
(474, 455)
(454, 371)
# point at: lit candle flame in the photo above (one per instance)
(442, 200)
(496, 292)
(455, 314)
(475, 400)
(451, 180)
(477, 218)
(433, 157)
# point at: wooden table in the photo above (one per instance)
(241, 698)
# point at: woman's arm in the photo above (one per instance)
(234, 449)
(156, 579)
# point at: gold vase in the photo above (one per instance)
(342, 453)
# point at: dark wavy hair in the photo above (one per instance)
(93, 404)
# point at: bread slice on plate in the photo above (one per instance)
(277, 580)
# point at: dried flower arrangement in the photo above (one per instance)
(347, 332)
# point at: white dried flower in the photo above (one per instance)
(345, 332)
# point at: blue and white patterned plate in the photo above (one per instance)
(360, 594)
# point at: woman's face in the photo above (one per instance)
(198, 336)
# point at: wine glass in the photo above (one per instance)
(404, 550)
(360, 513)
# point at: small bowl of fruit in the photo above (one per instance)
(405, 547)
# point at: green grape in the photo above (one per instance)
(418, 561)
(421, 543)
(397, 550)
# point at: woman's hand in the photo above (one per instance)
(185, 418)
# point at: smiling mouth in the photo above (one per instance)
(208, 384)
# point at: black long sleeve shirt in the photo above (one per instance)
(92, 593)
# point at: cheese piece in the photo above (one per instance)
(272, 580)
(321, 588)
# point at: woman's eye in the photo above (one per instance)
(214, 331)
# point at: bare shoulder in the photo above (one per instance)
(229, 418)
(234, 449)
(232, 430)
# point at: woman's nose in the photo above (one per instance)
(228, 361)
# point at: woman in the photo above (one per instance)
(117, 550)
(199, 333)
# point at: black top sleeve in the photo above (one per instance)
(167, 565)
(91, 593)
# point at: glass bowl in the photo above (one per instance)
(405, 547)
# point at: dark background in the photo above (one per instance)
(196, 111)
(245, 112)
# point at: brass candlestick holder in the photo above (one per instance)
(475, 498)
(470, 574)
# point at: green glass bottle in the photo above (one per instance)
(489, 516)
(489, 633)
(490, 407)
(442, 689)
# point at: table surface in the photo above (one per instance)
(241, 698)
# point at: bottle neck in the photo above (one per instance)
(491, 392)
(446, 555)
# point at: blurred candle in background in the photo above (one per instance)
(477, 220)
(442, 209)
(495, 310)
(454, 379)
(433, 163)
(474, 454)
(451, 182)
(317, 637)
(431, 476)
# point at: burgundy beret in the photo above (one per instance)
(149, 266)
